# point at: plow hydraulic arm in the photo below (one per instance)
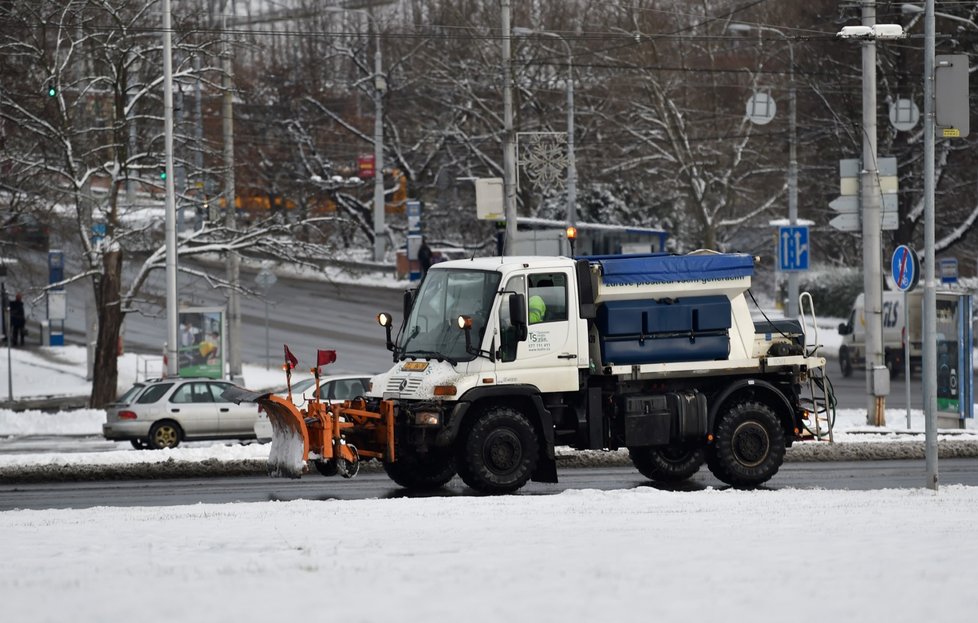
(335, 437)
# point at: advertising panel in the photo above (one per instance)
(954, 365)
(202, 348)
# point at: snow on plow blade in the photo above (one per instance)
(290, 438)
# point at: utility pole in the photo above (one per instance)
(172, 354)
(870, 199)
(929, 372)
(571, 163)
(379, 88)
(230, 215)
(509, 144)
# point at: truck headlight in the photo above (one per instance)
(427, 418)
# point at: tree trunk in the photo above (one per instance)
(106, 370)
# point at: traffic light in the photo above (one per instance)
(52, 91)
(163, 175)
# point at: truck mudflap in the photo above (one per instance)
(334, 437)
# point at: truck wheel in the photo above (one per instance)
(892, 366)
(165, 434)
(845, 363)
(499, 452)
(672, 464)
(429, 470)
(748, 446)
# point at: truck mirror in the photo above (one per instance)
(517, 313)
(844, 328)
(409, 301)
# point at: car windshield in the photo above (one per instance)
(431, 330)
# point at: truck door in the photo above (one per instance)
(548, 357)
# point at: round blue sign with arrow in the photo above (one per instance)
(905, 268)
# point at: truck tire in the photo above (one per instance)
(672, 464)
(425, 471)
(165, 434)
(845, 363)
(748, 446)
(499, 452)
(892, 365)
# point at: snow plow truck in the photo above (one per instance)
(500, 360)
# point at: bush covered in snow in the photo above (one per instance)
(833, 288)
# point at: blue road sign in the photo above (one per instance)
(793, 248)
(905, 268)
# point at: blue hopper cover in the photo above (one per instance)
(667, 268)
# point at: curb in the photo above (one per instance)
(566, 459)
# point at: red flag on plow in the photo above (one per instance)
(325, 357)
(290, 359)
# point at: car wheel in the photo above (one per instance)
(425, 471)
(748, 446)
(165, 434)
(672, 464)
(499, 452)
(139, 444)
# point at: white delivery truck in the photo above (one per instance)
(897, 309)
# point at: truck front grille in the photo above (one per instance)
(402, 385)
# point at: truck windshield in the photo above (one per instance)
(431, 331)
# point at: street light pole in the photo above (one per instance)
(877, 387)
(870, 199)
(230, 207)
(509, 143)
(380, 85)
(930, 291)
(172, 368)
(792, 310)
(571, 161)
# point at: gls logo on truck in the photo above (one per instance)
(891, 313)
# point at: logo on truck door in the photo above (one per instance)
(538, 341)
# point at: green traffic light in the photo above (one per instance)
(52, 91)
(163, 175)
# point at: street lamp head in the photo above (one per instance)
(888, 31)
(906, 7)
(871, 33)
(739, 27)
(520, 31)
(855, 32)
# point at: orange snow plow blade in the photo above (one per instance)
(290, 437)
(335, 436)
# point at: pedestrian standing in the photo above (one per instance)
(17, 320)
(424, 257)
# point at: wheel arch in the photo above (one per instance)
(524, 398)
(756, 389)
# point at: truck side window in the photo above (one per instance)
(508, 335)
(547, 297)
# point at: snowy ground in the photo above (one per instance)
(784, 555)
